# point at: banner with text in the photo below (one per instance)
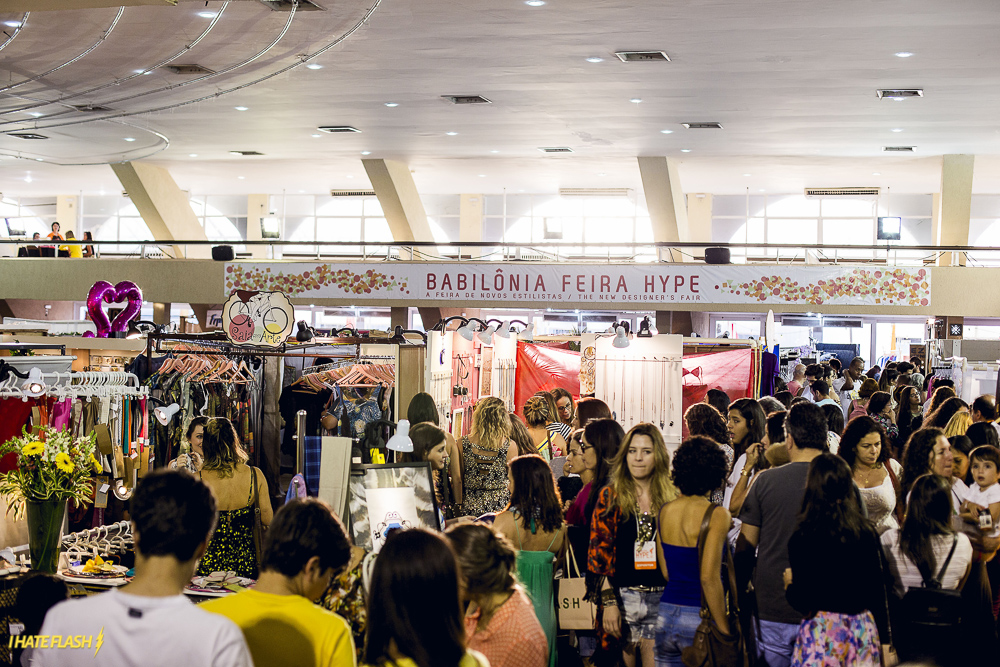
(583, 284)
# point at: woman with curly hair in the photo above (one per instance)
(533, 521)
(865, 448)
(880, 409)
(485, 455)
(621, 563)
(703, 419)
(927, 452)
(236, 487)
(698, 469)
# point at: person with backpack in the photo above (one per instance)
(927, 559)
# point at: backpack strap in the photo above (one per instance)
(702, 536)
(936, 582)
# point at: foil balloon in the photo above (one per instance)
(104, 292)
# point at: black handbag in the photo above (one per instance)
(931, 608)
(712, 647)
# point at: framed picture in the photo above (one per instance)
(387, 496)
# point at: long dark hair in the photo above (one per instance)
(414, 601)
(940, 395)
(877, 403)
(940, 417)
(751, 411)
(534, 495)
(589, 409)
(916, 458)
(605, 436)
(519, 434)
(830, 505)
(905, 417)
(857, 429)
(927, 514)
(704, 419)
(221, 447)
(422, 409)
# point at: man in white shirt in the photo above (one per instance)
(813, 372)
(150, 621)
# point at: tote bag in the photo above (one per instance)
(575, 613)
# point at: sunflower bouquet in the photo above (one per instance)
(47, 465)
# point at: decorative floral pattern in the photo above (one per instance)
(888, 287)
(313, 279)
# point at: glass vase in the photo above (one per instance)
(45, 523)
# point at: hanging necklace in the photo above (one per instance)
(871, 469)
(645, 525)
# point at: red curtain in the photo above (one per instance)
(543, 368)
(730, 370)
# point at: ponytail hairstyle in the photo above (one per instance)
(927, 514)
(221, 447)
(486, 559)
(491, 424)
(536, 412)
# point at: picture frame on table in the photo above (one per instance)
(391, 495)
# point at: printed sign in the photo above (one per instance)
(257, 318)
(589, 284)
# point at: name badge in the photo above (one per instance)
(645, 555)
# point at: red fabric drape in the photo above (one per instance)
(543, 368)
(729, 370)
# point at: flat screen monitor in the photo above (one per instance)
(889, 229)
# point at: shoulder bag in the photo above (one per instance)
(258, 526)
(575, 613)
(931, 607)
(712, 647)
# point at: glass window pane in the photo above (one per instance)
(439, 205)
(726, 205)
(339, 229)
(299, 228)
(791, 231)
(373, 207)
(97, 204)
(791, 206)
(643, 230)
(848, 232)
(333, 206)
(294, 205)
(843, 207)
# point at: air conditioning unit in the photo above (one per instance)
(528, 255)
(352, 193)
(595, 192)
(854, 193)
(845, 322)
(801, 320)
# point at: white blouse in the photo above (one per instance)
(881, 501)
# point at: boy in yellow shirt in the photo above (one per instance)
(306, 545)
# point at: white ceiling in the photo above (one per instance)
(793, 83)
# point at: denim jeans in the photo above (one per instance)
(675, 628)
(777, 641)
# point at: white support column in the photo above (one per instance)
(954, 206)
(665, 202)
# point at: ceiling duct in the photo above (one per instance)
(467, 99)
(642, 56)
(595, 192)
(703, 126)
(91, 108)
(854, 193)
(556, 149)
(337, 129)
(898, 149)
(245, 153)
(844, 322)
(189, 69)
(899, 93)
(287, 5)
(27, 135)
(352, 193)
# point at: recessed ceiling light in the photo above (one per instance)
(392, 104)
(129, 138)
(12, 24)
(761, 190)
(241, 177)
(903, 54)
(314, 66)
(595, 59)
(35, 114)
(315, 136)
(350, 176)
(746, 174)
(666, 131)
(207, 15)
(39, 159)
(876, 173)
(494, 151)
(482, 175)
(602, 174)
(451, 134)
(534, 3)
(366, 152)
(685, 150)
(242, 108)
(896, 129)
(635, 100)
(27, 179)
(192, 155)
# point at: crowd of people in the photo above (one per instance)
(828, 525)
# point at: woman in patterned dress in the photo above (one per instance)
(485, 455)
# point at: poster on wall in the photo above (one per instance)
(388, 496)
(593, 284)
(257, 318)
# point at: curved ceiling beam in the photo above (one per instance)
(104, 36)
(125, 114)
(10, 38)
(135, 155)
(116, 82)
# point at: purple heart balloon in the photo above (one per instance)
(104, 292)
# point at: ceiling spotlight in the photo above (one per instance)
(314, 66)
(896, 129)
(534, 3)
(207, 15)
(685, 150)
(35, 385)
(504, 330)
(164, 414)
(400, 442)
(666, 131)
(129, 138)
(392, 104)
(242, 178)
(451, 134)
(487, 336)
(494, 151)
(876, 173)
(366, 152)
(192, 155)
(903, 54)
(595, 59)
(35, 114)
(527, 333)
(242, 108)
(635, 100)
(746, 174)
(482, 175)
(315, 136)
(621, 338)
(12, 24)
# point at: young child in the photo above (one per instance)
(984, 492)
(430, 444)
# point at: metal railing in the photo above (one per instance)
(546, 251)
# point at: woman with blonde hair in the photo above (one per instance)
(237, 487)
(623, 534)
(958, 424)
(538, 418)
(485, 455)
